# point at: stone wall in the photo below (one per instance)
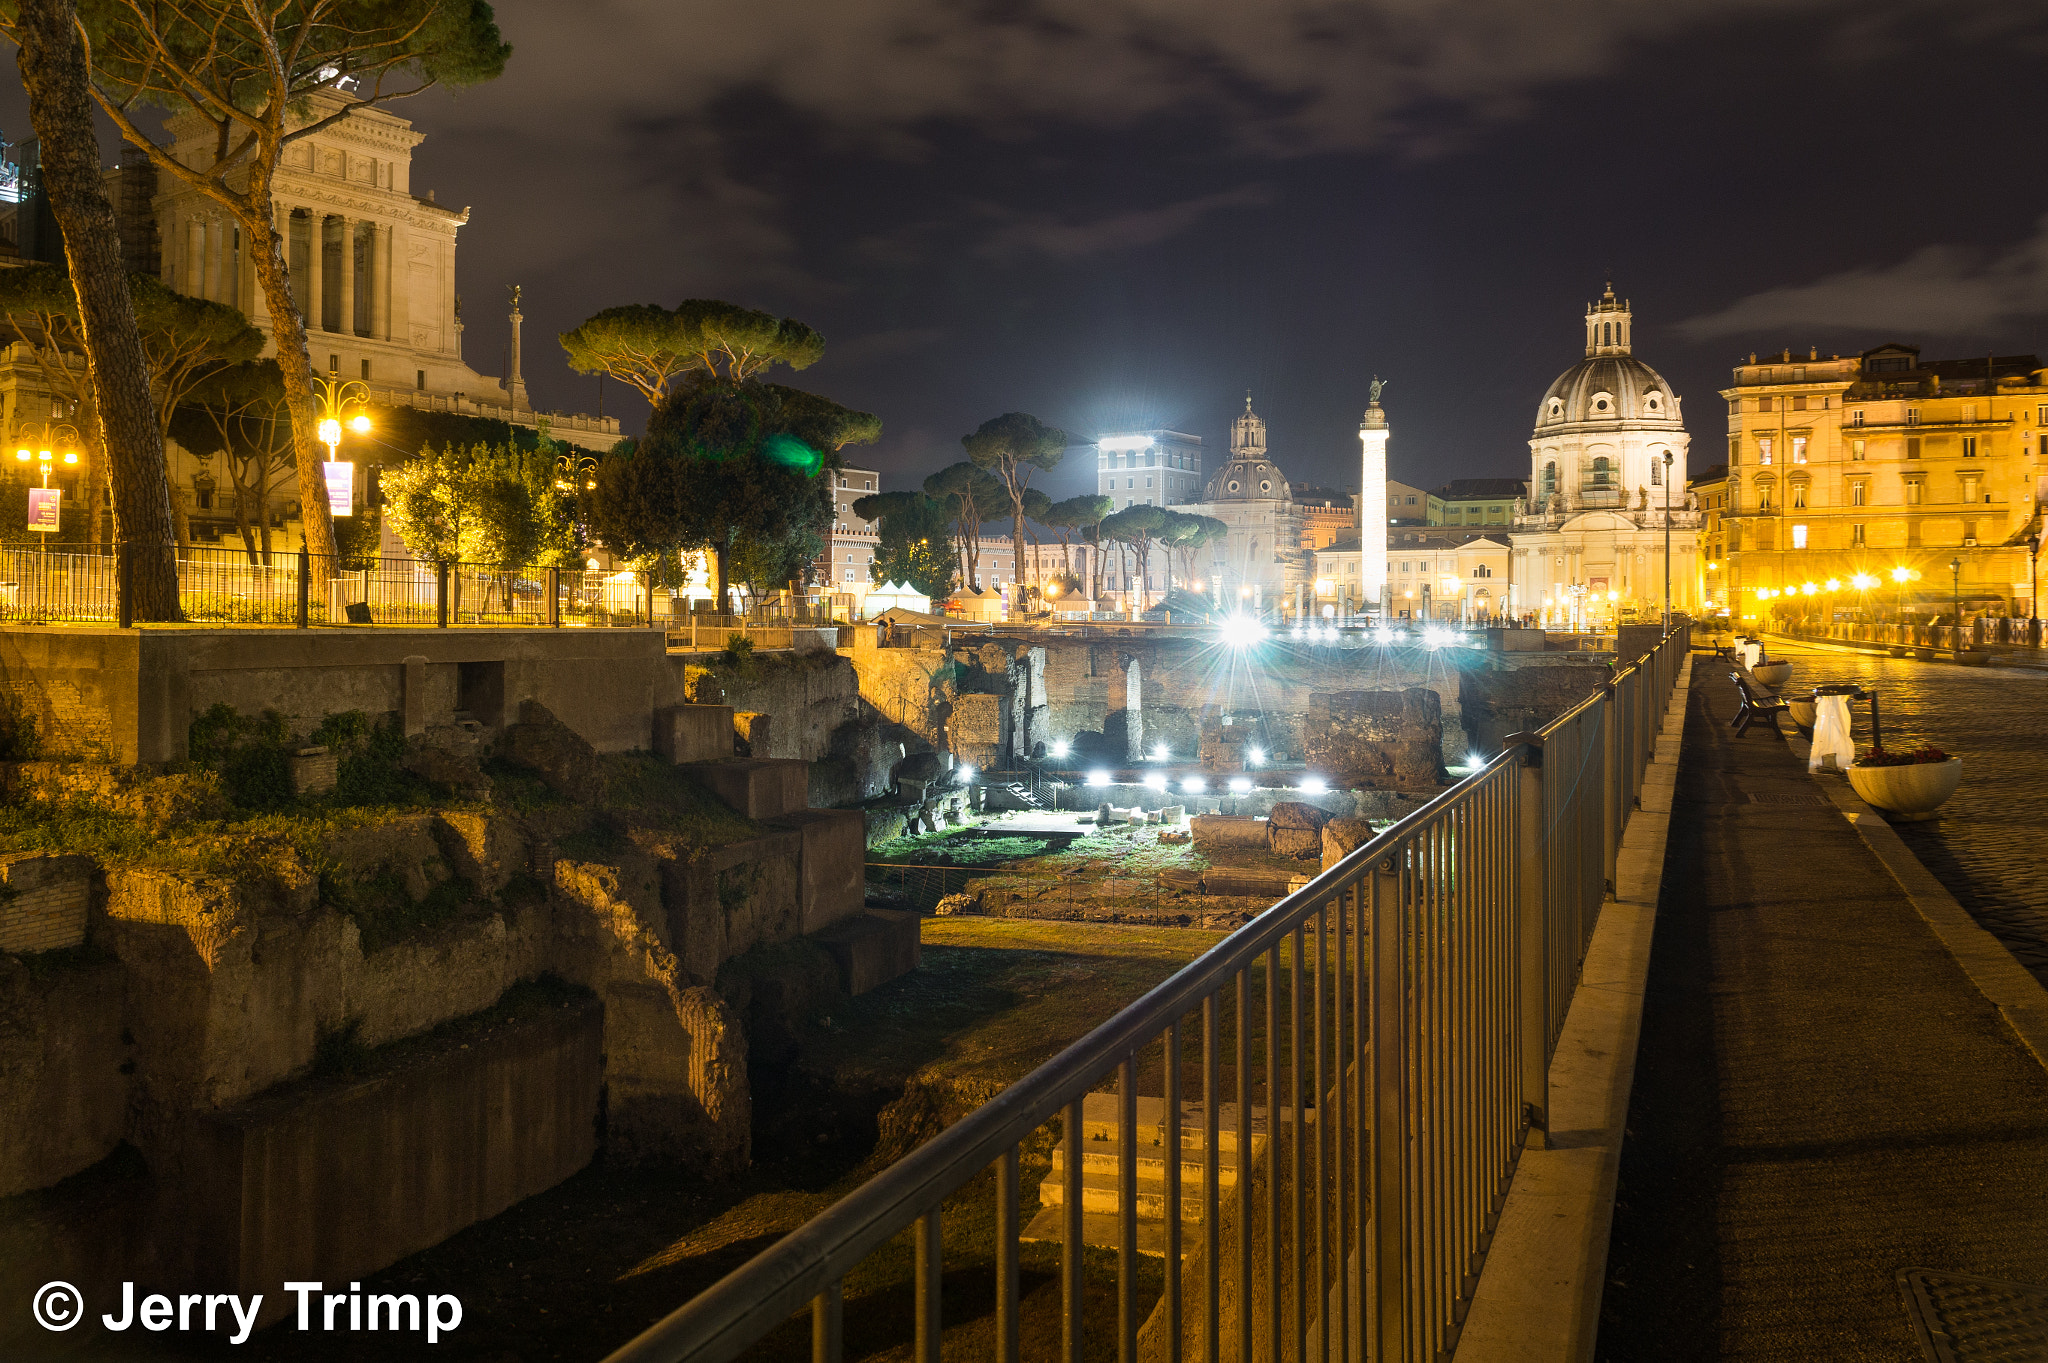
(63, 1091)
(43, 901)
(1496, 703)
(332, 1179)
(131, 696)
(1391, 739)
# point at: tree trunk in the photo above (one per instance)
(288, 330)
(53, 71)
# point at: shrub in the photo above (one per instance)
(367, 753)
(1880, 757)
(19, 741)
(250, 753)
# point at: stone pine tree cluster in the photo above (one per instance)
(730, 462)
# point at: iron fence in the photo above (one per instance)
(1362, 1065)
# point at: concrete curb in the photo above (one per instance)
(2010, 986)
(1539, 1291)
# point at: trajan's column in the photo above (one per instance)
(1372, 501)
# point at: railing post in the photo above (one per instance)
(441, 596)
(554, 598)
(1613, 762)
(1387, 1291)
(1532, 939)
(303, 616)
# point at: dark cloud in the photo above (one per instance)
(1044, 234)
(1938, 290)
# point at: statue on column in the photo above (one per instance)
(1374, 389)
(1642, 499)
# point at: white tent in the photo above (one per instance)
(981, 603)
(895, 594)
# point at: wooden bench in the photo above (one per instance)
(1755, 707)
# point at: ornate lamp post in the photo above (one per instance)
(337, 396)
(1955, 573)
(46, 445)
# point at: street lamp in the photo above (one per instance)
(336, 396)
(1955, 573)
(54, 444)
(1667, 541)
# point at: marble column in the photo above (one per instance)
(398, 267)
(380, 281)
(314, 307)
(345, 305)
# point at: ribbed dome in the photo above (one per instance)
(1608, 388)
(1243, 480)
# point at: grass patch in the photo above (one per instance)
(959, 847)
(647, 792)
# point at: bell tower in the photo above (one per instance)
(1607, 325)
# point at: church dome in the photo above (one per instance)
(1249, 475)
(1613, 388)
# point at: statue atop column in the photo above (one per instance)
(1374, 389)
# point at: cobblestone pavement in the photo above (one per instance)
(1988, 843)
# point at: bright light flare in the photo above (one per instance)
(330, 432)
(1161, 753)
(1098, 778)
(1062, 748)
(1241, 631)
(1240, 786)
(963, 773)
(360, 423)
(1314, 785)
(1156, 781)
(1194, 785)
(1383, 634)
(1255, 755)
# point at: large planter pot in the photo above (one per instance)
(1801, 714)
(1773, 675)
(1973, 657)
(1910, 793)
(1896, 650)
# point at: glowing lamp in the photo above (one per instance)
(360, 423)
(1098, 778)
(24, 455)
(330, 432)
(70, 456)
(1061, 748)
(1155, 781)
(1314, 785)
(1255, 755)
(1194, 785)
(1240, 786)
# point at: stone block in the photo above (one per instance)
(1341, 837)
(1515, 640)
(694, 733)
(563, 757)
(314, 771)
(43, 906)
(873, 948)
(1224, 830)
(751, 731)
(832, 865)
(1294, 829)
(758, 787)
(415, 701)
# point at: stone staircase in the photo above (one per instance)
(1101, 1157)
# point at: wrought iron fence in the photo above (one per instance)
(230, 586)
(1344, 1087)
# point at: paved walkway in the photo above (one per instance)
(1821, 1096)
(1987, 845)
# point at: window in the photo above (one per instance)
(1763, 497)
(1856, 417)
(1763, 449)
(1859, 491)
(1600, 471)
(1912, 492)
(1763, 404)
(1132, 482)
(1148, 480)
(1912, 416)
(1549, 478)
(334, 364)
(1799, 376)
(1798, 537)
(1912, 447)
(1482, 571)
(1969, 411)
(1799, 403)
(420, 379)
(1798, 449)
(2041, 416)
(366, 370)
(1856, 535)
(1969, 447)
(1856, 450)
(1799, 495)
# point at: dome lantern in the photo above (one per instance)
(1607, 324)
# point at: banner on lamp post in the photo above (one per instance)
(341, 487)
(43, 505)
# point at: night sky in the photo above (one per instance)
(1124, 213)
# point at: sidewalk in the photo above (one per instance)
(1822, 1098)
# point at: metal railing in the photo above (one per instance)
(224, 586)
(1367, 1060)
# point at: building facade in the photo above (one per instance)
(1477, 501)
(1606, 489)
(844, 567)
(1710, 495)
(1149, 468)
(1433, 575)
(1918, 476)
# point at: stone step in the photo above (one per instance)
(1100, 1231)
(1100, 1191)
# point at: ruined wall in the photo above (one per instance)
(1498, 703)
(63, 1095)
(1391, 739)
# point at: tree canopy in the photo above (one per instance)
(1138, 526)
(487, 505)
(650, 347)
(914, 544)
(728, 465)
(1187, 534)
(1011, 448)
(971, 496)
